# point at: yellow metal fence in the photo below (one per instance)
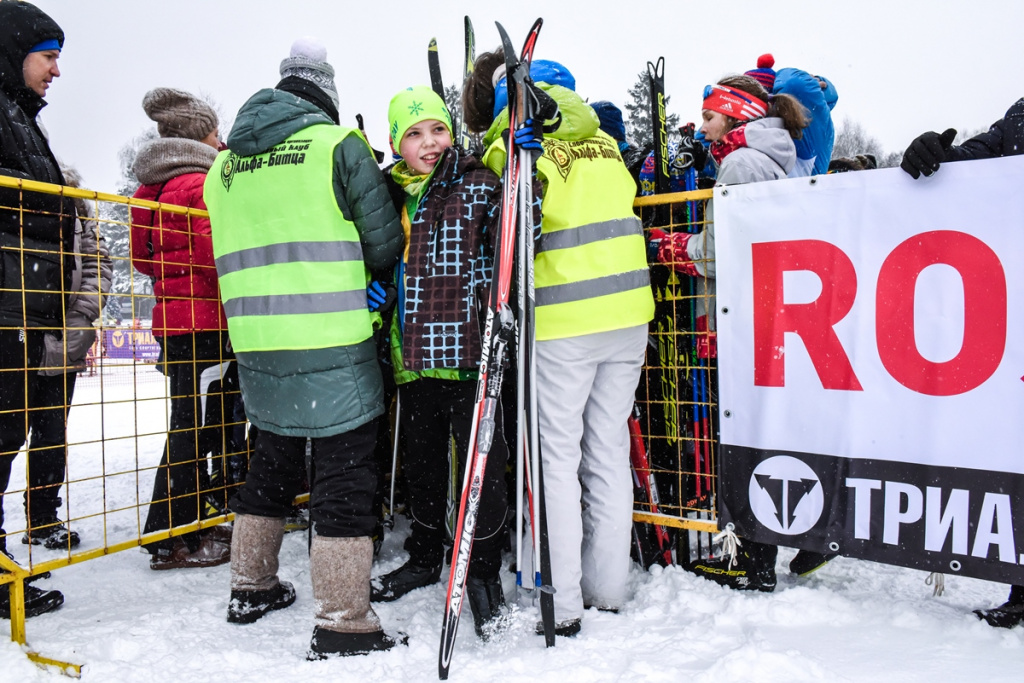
(119, 414)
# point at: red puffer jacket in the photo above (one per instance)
(177, 251)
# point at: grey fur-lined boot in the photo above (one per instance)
(255, 588)
(345, 623)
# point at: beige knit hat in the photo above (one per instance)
(179, 114)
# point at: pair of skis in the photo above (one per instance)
(437, 84)
(498, 336)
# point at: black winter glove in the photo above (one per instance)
(926, 152)
(692, 152)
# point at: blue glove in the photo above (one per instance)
(530, 135)
(380, 297)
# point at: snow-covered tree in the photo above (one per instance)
(116, 222)
(453, 100)
(851, 140)
(637, 116)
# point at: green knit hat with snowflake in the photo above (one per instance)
(409, 107)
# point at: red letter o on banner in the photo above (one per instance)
(984, 313)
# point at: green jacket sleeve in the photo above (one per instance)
(363, 198)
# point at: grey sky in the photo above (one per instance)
(901, 67)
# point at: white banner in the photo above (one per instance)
(871, 365)
(908, 361)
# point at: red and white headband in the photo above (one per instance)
(735, 103)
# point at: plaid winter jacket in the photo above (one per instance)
(449, 265)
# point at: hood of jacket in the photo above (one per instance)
(268, 118)
(23, 26)
(164, 158)
(579, 120)
(770, 137)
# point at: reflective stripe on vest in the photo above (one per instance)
(590, 271)
(310, 252)
(290, 264)
(295, 304)
(588, 289)
(585, 234)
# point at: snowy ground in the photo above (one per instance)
(852, 621)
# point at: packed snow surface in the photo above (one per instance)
(851, 621)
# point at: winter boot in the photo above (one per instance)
(567, 629)
(806, 562)
(345, 623)
(1008, 614)
(37, 601)
(327, 643)
(753, 569)
(255, 588)
(486, 600)
(52, 533)
(406, 578)
(210, 553)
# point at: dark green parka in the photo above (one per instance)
(321, 392)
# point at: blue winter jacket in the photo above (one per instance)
(814, 149)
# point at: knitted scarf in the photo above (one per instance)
(730, 142)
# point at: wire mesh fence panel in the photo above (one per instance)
(89, 406)
(677, 394)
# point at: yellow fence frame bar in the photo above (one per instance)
(16, 575)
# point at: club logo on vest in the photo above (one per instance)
(786, 495)
(227, 170)
(566, 152)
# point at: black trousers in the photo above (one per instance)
(29, 400)
(183, 472)
(343, 476)
(432, 411)
(48, 446)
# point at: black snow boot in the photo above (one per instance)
(245, 607)
(753, 570)
(1008, 614)
(807, 561)
(327, 643)
(37, 601)
(486, 600)
(52, 533)
(408, 577)
(566, 629)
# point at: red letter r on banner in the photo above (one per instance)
(813, 322)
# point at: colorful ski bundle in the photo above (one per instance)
(498, 333)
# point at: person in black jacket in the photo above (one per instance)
(36, 240)
(1004, 138)
(925, 154)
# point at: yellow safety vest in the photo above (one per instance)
(590, 270)
(290, 264)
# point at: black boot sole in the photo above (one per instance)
(327, 643)
(256, 606)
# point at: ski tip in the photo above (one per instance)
(433, 45)
(656, 69)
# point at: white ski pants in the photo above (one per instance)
(585, 393)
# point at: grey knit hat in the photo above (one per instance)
(179, 114)
(308, 60)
